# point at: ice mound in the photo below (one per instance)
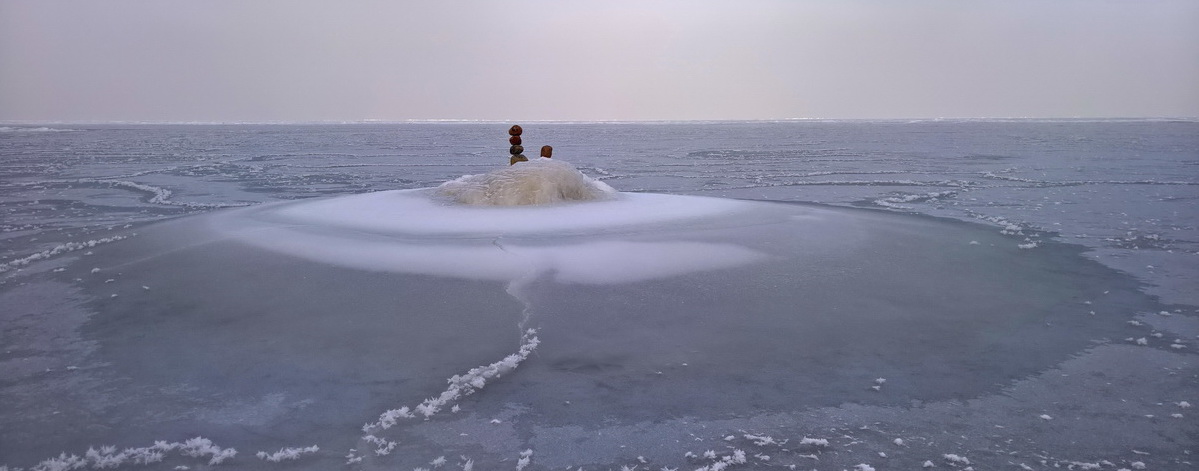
(417, 232)
(540, 181)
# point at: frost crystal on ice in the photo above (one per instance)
(525, 457)
(738, 457)
(288, 453)
(820, 442)
(952, 458)
(761, 440)
(200, 446)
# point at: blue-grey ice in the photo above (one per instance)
(534, 317)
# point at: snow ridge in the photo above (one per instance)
(107, 457)
(460, 386)
(67, 247)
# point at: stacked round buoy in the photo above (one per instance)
(516, 150)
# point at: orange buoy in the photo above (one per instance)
(546, 151)
(515, 130)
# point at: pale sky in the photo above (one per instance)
(303, 60)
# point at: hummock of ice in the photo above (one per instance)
(538, 181)
(524, 221)
(593, 327)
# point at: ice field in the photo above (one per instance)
(985, 294)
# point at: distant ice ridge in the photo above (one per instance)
(157, 195)
(37, 129)
(896, 202)
(538, 181)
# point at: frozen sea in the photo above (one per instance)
(944, 294)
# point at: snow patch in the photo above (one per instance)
(536, 182)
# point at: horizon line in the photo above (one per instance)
(578, 121)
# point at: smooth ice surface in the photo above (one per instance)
(640, 329)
